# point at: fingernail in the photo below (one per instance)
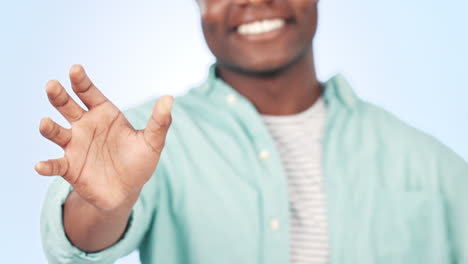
(37, 166)
(166, 104)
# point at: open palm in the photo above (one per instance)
(106, 160)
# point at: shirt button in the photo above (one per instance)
(349, 100)
(231, 99)
(275, 224)
(264, 155)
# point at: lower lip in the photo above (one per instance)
(264, 36)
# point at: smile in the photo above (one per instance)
(260, 27)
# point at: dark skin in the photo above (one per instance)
(274, 70)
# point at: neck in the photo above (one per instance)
(288, 92)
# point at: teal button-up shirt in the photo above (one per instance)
(393, 194)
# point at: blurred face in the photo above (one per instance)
(258, 36)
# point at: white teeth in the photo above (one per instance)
(259, 27)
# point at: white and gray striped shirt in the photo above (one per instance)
(299, 141)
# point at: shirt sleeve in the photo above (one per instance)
(454, 182)
(57, 247)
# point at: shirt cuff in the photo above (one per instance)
(59, 249)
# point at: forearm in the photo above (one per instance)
(91, 229)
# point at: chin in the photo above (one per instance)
(267, 62)
(265, 68)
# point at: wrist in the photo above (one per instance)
(104, 209)
(92, 229)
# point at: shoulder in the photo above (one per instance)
(400, 137)
(392, 127)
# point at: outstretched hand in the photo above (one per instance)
(105, 159)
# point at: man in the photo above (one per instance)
(261, 164)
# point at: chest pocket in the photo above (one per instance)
(386, 226)
(407, 227)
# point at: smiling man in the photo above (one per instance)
(260, 164)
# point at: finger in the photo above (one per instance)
(158, 125)
(84, 88)
(54, 132)
(55, 167)
(62, 101)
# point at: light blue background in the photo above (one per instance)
(407, 56)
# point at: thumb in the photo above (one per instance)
(158, 124)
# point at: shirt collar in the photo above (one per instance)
(336, 90)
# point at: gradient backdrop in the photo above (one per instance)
(407, 56)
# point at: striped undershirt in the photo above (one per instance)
(298, 138)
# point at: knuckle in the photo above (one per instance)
(156, 122)
(52, 167)
(61, 99)
(58, 168)
(169, 123)
(83, 84)
(76, 115)
(54, 131)
(158, 147)
(164, 123)
(155, 141)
